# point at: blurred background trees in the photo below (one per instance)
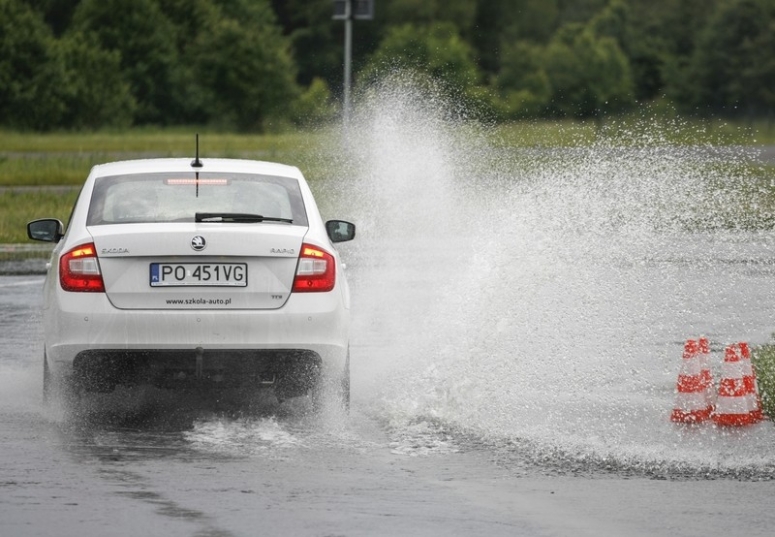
(250, 64)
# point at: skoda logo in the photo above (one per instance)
(198, 243)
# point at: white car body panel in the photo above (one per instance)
(126, 270)
(132, 315)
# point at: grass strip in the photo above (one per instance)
(65, 159)
(159, 142)
(763, 359)
(17, 207)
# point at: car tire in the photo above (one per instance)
(344, 389)
(332, 391)
(46, 381)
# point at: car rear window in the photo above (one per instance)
(151, 198)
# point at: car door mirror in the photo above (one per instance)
(340, 231)
(46, 230)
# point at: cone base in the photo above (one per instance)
(690, 416)
(735, 420)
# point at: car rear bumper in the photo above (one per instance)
(290, 372)
(90, 330)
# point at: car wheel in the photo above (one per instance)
(344, 390)
(332, 391)
(46, 381)
(317, 395)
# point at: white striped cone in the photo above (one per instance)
(691, 400)
(736, 403)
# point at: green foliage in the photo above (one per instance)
(612, 22)
(523, 82)
(57, 13)
(578, 11)
(140, 33)
(256, 79)
(763, 359)
(96, 93)
(501, 23)
(582, 72)
(31, 78)
(734, 63)
(532, 20)
(123, 62)
(437, 50)
(240, 64)
(589, 74)
(460, 13)
(662, 41)
(316, 39)
(315, 105)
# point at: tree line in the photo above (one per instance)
(246, 64)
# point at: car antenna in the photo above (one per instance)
(196, 163)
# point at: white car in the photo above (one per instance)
(196, 274)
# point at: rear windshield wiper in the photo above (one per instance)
(239, 218)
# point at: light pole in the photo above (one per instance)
(347, 10)
(348, 61)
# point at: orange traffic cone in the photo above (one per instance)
(736, 404)
(753, 385)
(692, 401)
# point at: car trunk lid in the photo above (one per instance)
(198, 265)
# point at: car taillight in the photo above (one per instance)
(316, 271)
(79, 270)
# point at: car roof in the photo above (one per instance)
(180, 165)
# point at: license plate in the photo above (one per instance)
(199, 274)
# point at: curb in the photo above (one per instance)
(23, 259)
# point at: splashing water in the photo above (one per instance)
(232, 437)
(538, 298)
